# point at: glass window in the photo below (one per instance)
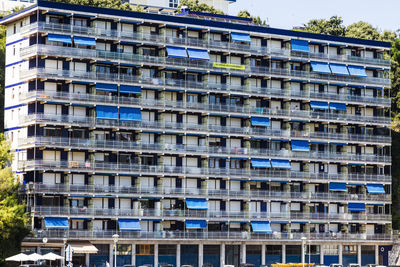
(173, 3)
(192, 98)
(80, 22)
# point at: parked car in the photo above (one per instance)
(336, 265)
(354, 265)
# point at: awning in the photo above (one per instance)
(130, 89)
(376, 188)
(109, 87)
(300, 146)
(198, 54)
(129, 224)
(319, 105)
(197, 203)
(59, 38)
(107, 112)
(260, 163)
(280, 164)
(261, 227)
(260, 121)
(56, 223)
(339, 69)
(84, 41)
(320, 67)
(300, 46)
(337, 187)
(337, 106)
(356, 207)
(240, 37)
(130, 114)
(357, 71)
(176, 52)
(196, 224)
(83, 247)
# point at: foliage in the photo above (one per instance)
(115, 4)
(362, 30)
(195, 6)
(256, 20)
(332, 26)
(2, 73)
(13, 218)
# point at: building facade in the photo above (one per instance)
(198, 139)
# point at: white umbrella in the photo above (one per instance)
(18, 257)
(35, 257)
(52, 257)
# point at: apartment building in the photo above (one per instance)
(218, 4)
(197, 139)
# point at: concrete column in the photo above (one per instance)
(178, 255)
(340, 254)
(133, 254)
(63, 254)
(359, 254)
(222, 256)
(376, 254)
(87, 259)
(303, 252)
(155, 255)
(110, 254)
(321, 255)
(201, 254)
(283, 253)
(243, 253)
(263, 254)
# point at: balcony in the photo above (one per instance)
(245, 153)
(129, 58)
(172, 192)
(152, 39)
(207, 214)
(243, 174)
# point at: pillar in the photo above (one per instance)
(155, 255)
(283, 253)
(243, 253)
(87, 259)
(340, 254)
(359, 254)
(178, 255)
(110, 254)
(201, 249)
(263, 254)
(63, 254)
(222, 256)
(376, 254)
(133, 259)
(303, 252)
(321, 255)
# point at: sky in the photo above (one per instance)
(285, 14)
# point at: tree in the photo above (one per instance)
(256, 20)
(195, 6)
(362, 30)
(115, 4)
(332, 26)
(13, 218)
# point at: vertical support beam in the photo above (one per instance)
(359, 254)
(63, 254)
(283, 253)
(303, 252)
(178, 255)
(263, 254)
(222, 255)
(110, 254)
(321, 256)
(243, 253)
(133, 260)
(376, 254)
(87, 259)
(201, 254)
(155, 255)
(341, 254)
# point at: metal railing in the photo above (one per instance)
(195, 42)
(208, 214)
(264, 174)
(80, 143)
(130, 58)
(106, 190)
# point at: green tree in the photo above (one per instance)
(332, 26)
(362, 30)
(13, 218)
(115, 4)
(256, 20)
(2, 73)
(195, 6)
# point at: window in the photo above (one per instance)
(191, 98)
(14, 50)
(80, 22)
(77, 203)
(321, 49)
(54, 19)
(173, 3)
(213, 163)
(144, 249)
(15, 29)
(103, 69)
(235, 164)
(51, 132)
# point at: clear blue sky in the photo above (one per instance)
(383, 14)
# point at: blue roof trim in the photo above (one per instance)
(12, 85)
(15, 106)
(15, 42)
(12, 128)
(14, 63)
(209, 23)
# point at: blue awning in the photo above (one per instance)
(130, 89)
(337, 106)
(280, 164)
(56, 223)
(240, 37)
(339, 69)
(319, 105)
(261, 227)
(106, 87)
(107, 112)
(376, 188)
(130, 114)
(337, 187)
(300, 146)
(260, 163)
(320, 67)
(260, 121)
(300, 46)
(129, 224)
(356, 207)
(198, 54)
(84, 41)
(59, 38)
(196, 224)
(197, 203)
(176, 52)
(357, 71)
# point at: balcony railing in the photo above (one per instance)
(107, 190)
(195, 42)
(206, 214)
(80, 143)
(130, 58)
(244, 174)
